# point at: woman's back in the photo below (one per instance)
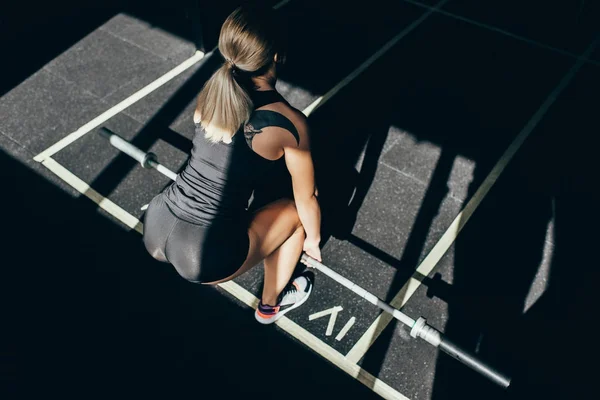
(219, 178)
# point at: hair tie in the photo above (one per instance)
(232, 65)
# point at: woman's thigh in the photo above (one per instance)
(269, 228)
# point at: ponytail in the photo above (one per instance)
(223, 104)
(249, 41)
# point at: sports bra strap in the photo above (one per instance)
(264, 118)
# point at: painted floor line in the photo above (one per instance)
(319, 346)
(324, 313)
(503, 32)
(426, 267)
(323, 99)
(295, 330)
(345, 329)
(83, 188)
(331, 323)
(100, 119)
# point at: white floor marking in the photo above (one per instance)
(324, 313)
(318, 346)
(83, 188)
(331, 323)
(502, 31)
(434, 256)
(539, 284)
(345, 329)
(67, 140)
(323, 99)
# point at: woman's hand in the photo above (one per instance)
(311, 247)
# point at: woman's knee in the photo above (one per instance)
(300, 232)
(292, 212)
(286, 205)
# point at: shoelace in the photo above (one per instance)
(290, 288)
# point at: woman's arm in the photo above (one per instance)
(300, 165)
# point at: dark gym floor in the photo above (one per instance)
(400, 150)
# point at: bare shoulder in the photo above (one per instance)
(298, 119)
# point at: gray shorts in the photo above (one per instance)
(199, 253)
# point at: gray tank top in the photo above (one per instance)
(219, 178)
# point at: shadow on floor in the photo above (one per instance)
(89, 313)
(501, 250)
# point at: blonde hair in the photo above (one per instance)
(249, 41)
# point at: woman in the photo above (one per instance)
(245, 134)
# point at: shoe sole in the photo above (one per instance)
(282, 313)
